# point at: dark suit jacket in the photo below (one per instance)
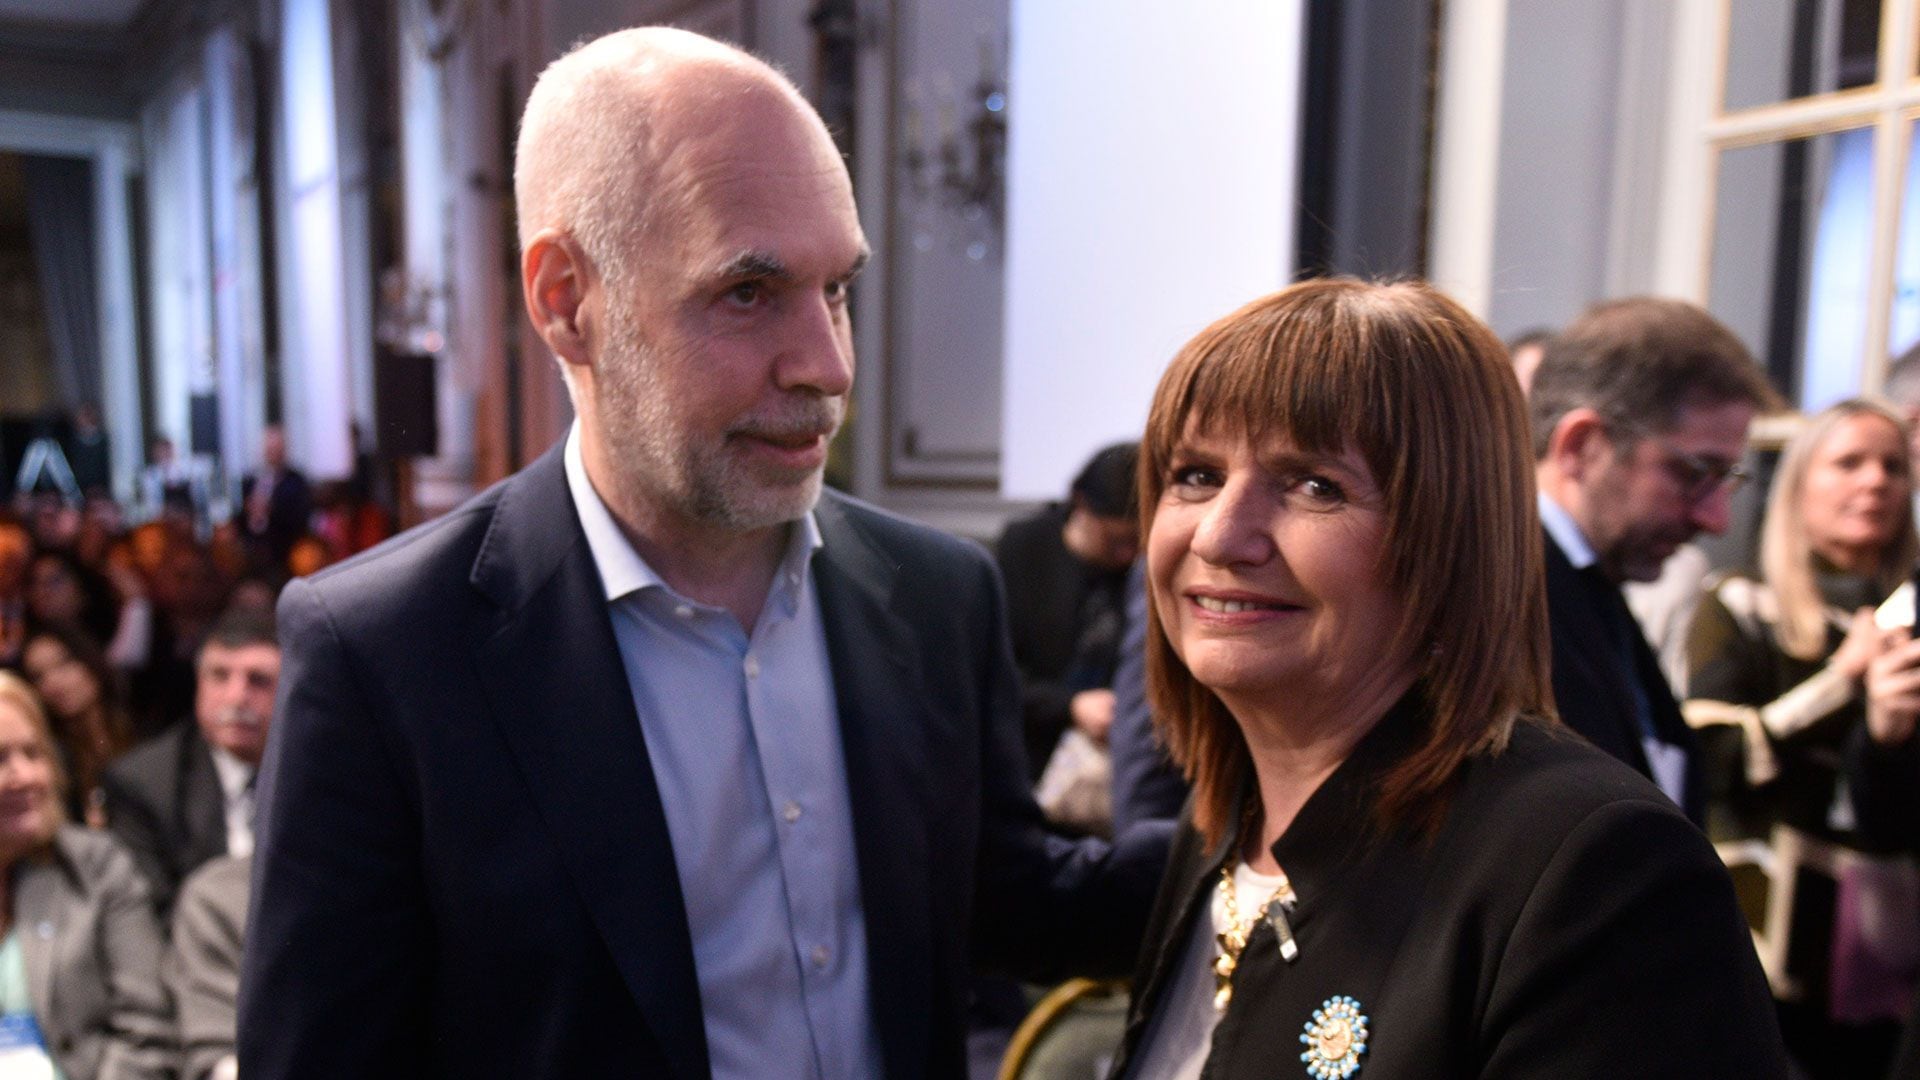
(289, 511)
(1561, 916)
(1146, 784)
(1884, 784)
(165, 804)
(1594, 689)
(1048, 594)
(462, 867)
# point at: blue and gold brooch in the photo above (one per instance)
(1335, 1039)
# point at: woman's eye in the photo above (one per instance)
(1320, 491)
(1192, 482)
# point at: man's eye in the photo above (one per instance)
(747, 293)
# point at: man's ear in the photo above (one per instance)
(1579, 441)
(555, 281)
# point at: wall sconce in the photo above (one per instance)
(961, 164)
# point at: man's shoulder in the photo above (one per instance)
(418, 572)
(909, 542)
(1548, 783)
(156, 762)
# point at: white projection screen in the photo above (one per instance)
(1150, 189)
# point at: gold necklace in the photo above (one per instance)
(1233, 939)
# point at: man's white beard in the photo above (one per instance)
(657, 463)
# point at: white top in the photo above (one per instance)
(1180, 1035)
(236, 793)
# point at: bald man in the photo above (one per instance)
(654, 760)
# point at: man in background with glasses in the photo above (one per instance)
(1640, 412)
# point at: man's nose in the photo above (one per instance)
(1714, 513)
(817, 351)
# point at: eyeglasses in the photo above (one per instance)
(1700, 476)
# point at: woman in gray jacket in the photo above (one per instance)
(79, 944)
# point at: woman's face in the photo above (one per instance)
(1857, 488)
(28, 811)
(1266, 567)
(63, 681)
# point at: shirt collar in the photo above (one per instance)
(623, 571)
(235, 774)
(1566, 533)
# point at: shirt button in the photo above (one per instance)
(821, 956)
(752, 666)
(685, 611)
(791, 811)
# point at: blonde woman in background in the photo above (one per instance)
(80, 993)
(1779, 681)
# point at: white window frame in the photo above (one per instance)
(1702, 130)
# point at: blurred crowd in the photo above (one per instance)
(138, 666)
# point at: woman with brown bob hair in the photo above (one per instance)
(1395, 860)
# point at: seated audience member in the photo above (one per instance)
(1395, 863)
(1147, 785)
(1065, 569)
(189, 594)
(1640, 411)
(90, 723)
(1781, 671)
(113, 610)
(186, 796)
(80, 961)
(203, 966)
(16, 554)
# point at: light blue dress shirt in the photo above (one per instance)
(743, 732)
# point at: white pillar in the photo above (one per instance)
(1466, 156)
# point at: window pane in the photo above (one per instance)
(1903, 328)
(1792, 240)
(1778, 50)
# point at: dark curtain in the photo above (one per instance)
(61, 226)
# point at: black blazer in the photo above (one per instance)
(1594, 690)
(165, 804)
(1564, 921)
(1048, 594)
(462, 865)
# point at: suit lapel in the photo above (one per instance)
(559, 695)
(203, 805)
(36, 909)
(874, 660)
(1582, 639)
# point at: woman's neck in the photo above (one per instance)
(1296, 747)
(1861, 562)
